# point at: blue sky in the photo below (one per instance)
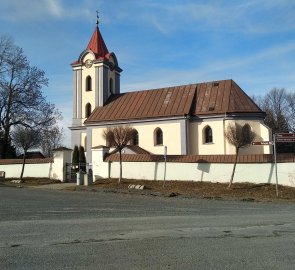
(158, 43)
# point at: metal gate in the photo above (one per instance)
(73, 168)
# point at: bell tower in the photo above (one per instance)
(96, 76)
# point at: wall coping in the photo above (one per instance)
(263, 158)
(28, 161)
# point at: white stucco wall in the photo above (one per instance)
(263, 133)
(57, 169)
(174, 137)
(31, 170)
(220, 145)
(171, 136)
(53, 170)
(197, 145)
(213, 172)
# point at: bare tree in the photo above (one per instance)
(25, 138)
(21, 101)
(119, 137)
(240, 137)
(291, 108)
(6, 46)
(279, 105)
(51, 138)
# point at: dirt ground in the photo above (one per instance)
(207, 190)
(242, 191)
(31, 182)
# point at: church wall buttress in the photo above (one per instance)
(100, 86)
(77, 98)
(117, 83)
(79, 94)
(96, 87)
(105, 84)
(89, 145)
(75, 95)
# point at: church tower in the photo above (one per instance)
(96, 76)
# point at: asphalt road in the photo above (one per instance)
(45, 229)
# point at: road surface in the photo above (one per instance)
(47, 229)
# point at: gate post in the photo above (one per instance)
(99, 167)
(61, 156)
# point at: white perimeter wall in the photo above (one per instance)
(214, 172)
(31, 170)
(54, 170)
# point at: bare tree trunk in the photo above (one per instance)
(5, 143)
(120, 155)
(234, 169)
(6, 123)
(23, 167)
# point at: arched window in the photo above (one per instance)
(135, 138)
(158, 136)
(208, 136)
(87, 110)
(111, 86)
(88, 83)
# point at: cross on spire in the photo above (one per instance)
(97, 17)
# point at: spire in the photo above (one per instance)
(97, 44)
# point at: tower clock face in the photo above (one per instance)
(88, 63)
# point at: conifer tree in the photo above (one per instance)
(75, 156)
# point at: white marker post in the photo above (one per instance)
(276, 165)
(275, 157)
(281, 138)
(165, 158)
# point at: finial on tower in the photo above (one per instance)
(97, 17)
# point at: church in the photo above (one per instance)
(187, 119)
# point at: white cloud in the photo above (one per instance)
(32, 10)
(252, 17)
(259, 71)
(54, 7)
(66, 122)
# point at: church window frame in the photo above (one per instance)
(158, 137)
(88, 85)
(207, 135)
(87, 110)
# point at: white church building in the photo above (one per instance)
(188, 119)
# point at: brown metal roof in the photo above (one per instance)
(195, 99)
(223, 97)
(134, 148)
